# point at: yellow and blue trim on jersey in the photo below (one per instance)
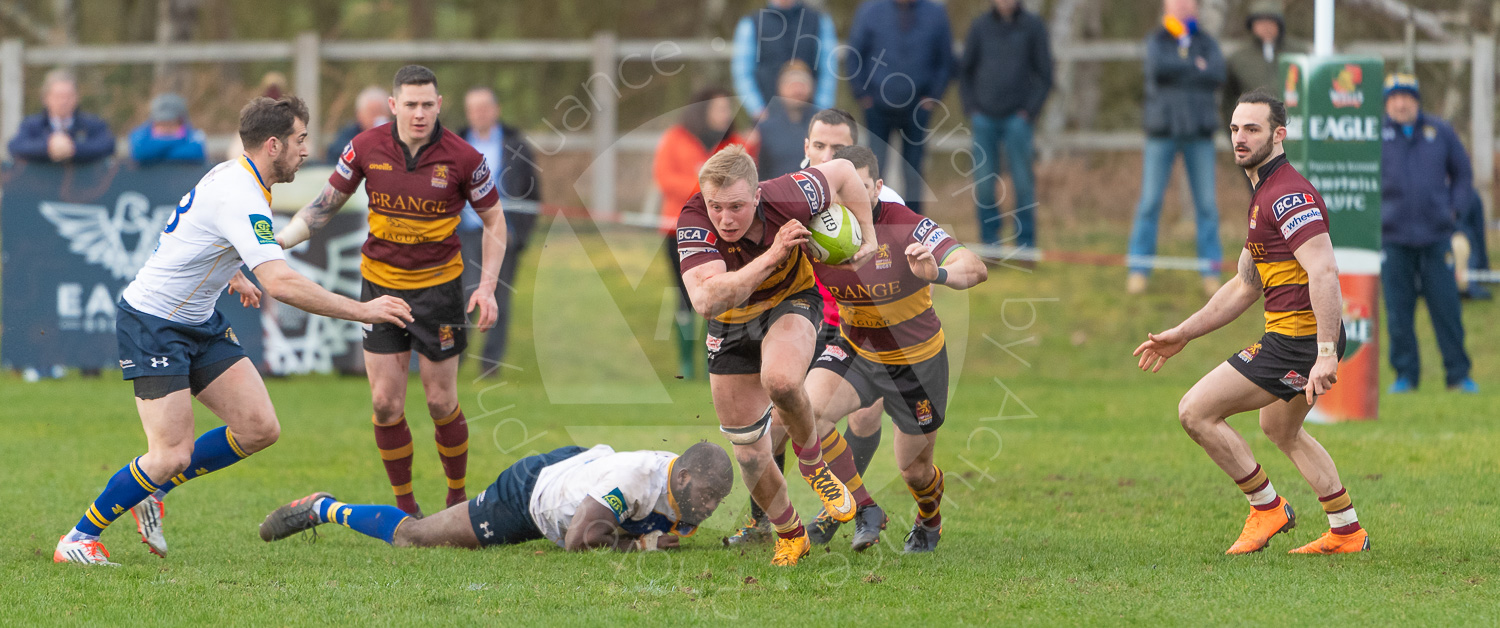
(250, 166)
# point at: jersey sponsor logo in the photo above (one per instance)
(883, 257)
(810, 189)
(1248, 353)
(616, 502)
(408, 204)
(683, 254)
(264, 233)
(440, 176)
(1290, 202)
(99, 235)
(934, 238)
(923, 410)
(348, 155)
(381, 166)
(1295, 381)
(833, 353)
(1299, 221)
(343, 170)
(696, 234)
(714, 343)
(923, 228)
(481, 174)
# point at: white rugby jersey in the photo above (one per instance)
(222, 221)
(633, 484)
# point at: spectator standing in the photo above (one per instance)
(1004, 78)
(508, 154)
(767, 40)
(706, 127)
(167, 136)
(782, 129)
(61, 133)
(371, 109)
(899, 63)
(1254, 66)
(1425, 183)
(1184, 69)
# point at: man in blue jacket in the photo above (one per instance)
(1184, 68)
(767, 40)
(899, 63)
(167, 136)
(1425, 182)
(61, 133)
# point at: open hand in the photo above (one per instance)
(1158, 348)
(922, 263)
(386, 309)
(249, 294)
(488, 310)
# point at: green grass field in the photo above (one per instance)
(1073, 495)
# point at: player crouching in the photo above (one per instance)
(891, 348)
(577, 498)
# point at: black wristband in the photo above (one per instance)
(942, 276)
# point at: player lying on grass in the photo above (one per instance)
(577, 498)
(1288, 255)
(174, 346)
(891, 348)
(742, 262)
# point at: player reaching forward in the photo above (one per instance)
(418, 177)
(742, 262)
(577, 498)
(175, 347)
(891, 348)
(1288, 256)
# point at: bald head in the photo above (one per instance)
(701, 477)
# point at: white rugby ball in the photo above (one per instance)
(835, 235)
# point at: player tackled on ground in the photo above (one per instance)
(418, 177)
(891, 348)
(744, 268)
(577, 498)
(174, 346)
(1288, 256)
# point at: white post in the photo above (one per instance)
(1482, 123)
(306, 60)
(602, 89)
(1323, 28)
(12, 90)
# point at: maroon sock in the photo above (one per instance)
(453, 447)
(840, 460)
(394, 442)
(929, 499)
(788, 525)
(807, 469)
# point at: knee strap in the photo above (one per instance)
(749, 434)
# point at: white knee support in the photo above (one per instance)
(749, 434)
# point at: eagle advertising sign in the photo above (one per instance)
(74, 237)
(1334, 115)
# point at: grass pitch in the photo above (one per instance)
(1073, 496)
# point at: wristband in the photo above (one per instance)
(942, 276)
(1328, 349)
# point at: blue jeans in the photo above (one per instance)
(1156, 162)
(1406, 272)
(1012, 134)
(910, 127)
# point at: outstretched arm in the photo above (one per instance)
(312, 217)
(1236, 296)
(286, 285)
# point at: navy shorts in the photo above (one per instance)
(501, 515)
(154, 346)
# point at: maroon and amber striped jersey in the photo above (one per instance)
(796, 196)
(415, 201)
(1285, 212)
(886, 311)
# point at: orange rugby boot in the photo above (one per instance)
(838, 502)
(789, 551)
(1261, 525)
(1330, 543)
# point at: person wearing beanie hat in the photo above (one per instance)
(1254, 65)
(166, 135)
(1426, 181)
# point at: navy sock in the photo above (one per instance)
(374, 520)
(214, 450)
(125, 489)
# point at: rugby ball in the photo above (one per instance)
(835, 235)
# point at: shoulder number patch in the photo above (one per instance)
(264, 232)
(1290, 202)
(616, 502)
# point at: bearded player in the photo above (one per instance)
(418, 176)
(742, 262)
(891, 350)
(175, 347)
(829, 131)
(1288, 256)
(577, 498)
